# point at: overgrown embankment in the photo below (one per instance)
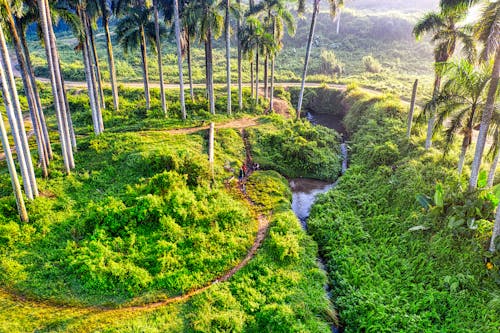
(393, 265)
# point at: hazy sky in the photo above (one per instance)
(402, 5)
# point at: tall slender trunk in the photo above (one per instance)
(251, 78)
(145, 74)
(308, 54)
(111, 62)
(56, 82)
(17, 121)
(228, 57)
(21, 208)
(257, 75)
(485, 122)
(467, 140)
(210, 80)
(493, 168)
(68, 115)
(158, 53)
(15, 131)
(271, 99)
(496, 230)
(94, 105)
(240, 78)
(30, 95)
(412, 108)
(338, 22)
(190, 72)
(432, 116)
(266, 65)
(177, 28)
(95, 59)
(48, 148)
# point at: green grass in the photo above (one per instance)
(141, 219)
(385, 277)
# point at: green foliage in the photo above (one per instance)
(381, 244)
(296, 149)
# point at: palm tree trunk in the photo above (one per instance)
(412, 107)
(17, 121)
(240, 79)
(46, 29)
(271, 99)
(95, 59)
(266, 65)
(465, 145)
(47, 147)
(251, 78)
(228, 57)
(68, 115)
(21, 208)
(30, 95)
(485, 122)
(158, 52)
(210, 72)
(338, 22)
(177, 28)
(145, 75)
(493, 168)
(90, 75)
(257, 75)
(308, 54)
(15, 131)
(432, 117)
(111, 62)
(58, 88)
(190, 72)
(90, 87)
(496, 230)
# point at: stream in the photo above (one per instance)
(305, 190)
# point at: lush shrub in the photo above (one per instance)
(296, 149)
(371, 64)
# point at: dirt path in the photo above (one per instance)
(236, 124)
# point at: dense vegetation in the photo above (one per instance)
(296, 149)
(395, 265)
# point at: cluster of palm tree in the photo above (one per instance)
(140, 24)
(467, 97)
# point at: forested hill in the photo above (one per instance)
(399, 5)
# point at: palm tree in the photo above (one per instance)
(34, 107)
(60, 102)
(227, 31)
(488, 32)
(461, 101)
(134, 30)
(177, 28)
(334, 7)
(158, 53)
(21, 208)
(210, 24)
(446, 34)
(106, 12)
(240, 77)
(89, 63)
(16, 120)
(276, 16)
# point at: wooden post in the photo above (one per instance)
(211, 144)
(412, 108)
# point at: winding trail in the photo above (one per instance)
(263, 226)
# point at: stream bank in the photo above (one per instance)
(305, 190)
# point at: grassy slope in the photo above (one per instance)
(386, 278)
(95, 237)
